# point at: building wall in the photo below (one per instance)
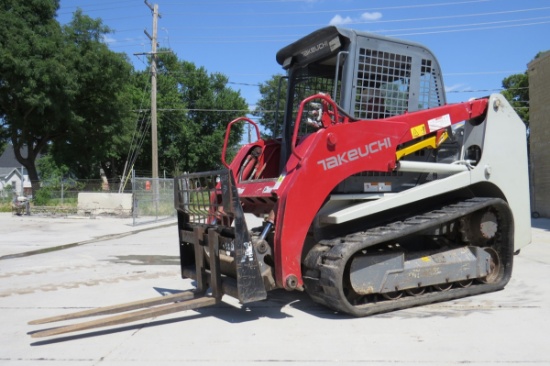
(539, 122)
(13, 180)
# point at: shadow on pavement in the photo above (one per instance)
(272, 308)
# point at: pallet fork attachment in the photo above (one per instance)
(141, 309)
(180, 302)
(247, 287)
(209, 209)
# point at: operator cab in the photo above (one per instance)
(367, 75)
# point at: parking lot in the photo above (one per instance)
(104, 261)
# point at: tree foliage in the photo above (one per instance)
(65, 94)
(270, 108)
(34, 78)
(101, 107)
(61, 88)
(194, 108)
(516, 91)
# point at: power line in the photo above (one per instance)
(509, 72)
(195, 110)
(445, 17)
(466, 25)
(470, 29)
(484, 90)
(94, 4)
(423, 19)
(370, 9)
(387, 32)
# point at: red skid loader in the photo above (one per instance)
(377, 196)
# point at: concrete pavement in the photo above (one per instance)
(111, 266)
(23, 235)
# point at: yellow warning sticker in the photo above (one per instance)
(418, 131)
(279, 181)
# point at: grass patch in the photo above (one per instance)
(5, 206)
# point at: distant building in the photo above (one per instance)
(12, 175)
(539, 122)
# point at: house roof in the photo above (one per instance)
(6, 173)
(8, 160)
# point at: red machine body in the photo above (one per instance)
(320, 161)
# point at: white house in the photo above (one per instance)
(11, 177)
(10, 181)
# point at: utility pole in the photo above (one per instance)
(154, 140)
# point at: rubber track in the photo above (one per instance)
(325, 264)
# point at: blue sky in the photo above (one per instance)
(477, 42)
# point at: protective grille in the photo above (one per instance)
(429, 88)
(383, 80)
(199, 195)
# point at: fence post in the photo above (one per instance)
(134, 198)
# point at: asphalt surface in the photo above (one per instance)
(52, 266)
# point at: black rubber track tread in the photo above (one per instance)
(325, 264)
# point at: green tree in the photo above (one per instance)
(55, 179)
(102, 121)
(273, 94)
(60, 87)
(34, 80)
(194, 108)
(516, 91)
(50, 172)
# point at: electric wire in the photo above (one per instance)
(138, 137)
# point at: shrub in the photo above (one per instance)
(42, 197)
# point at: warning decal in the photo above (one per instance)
(418, 131)
(439, 122)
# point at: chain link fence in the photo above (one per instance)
(153, 200)
(60, 197)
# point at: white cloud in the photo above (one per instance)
(449, 88)
(365, 17)
(371, 16)
(339, 20)
(108, 40)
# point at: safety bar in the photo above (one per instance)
(326, 99)
(228, 131)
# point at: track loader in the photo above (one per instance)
(377, 195)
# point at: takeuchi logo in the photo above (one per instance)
(357, 153)
(314, 49)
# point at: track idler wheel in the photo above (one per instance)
(480, 227)
(494, 267)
